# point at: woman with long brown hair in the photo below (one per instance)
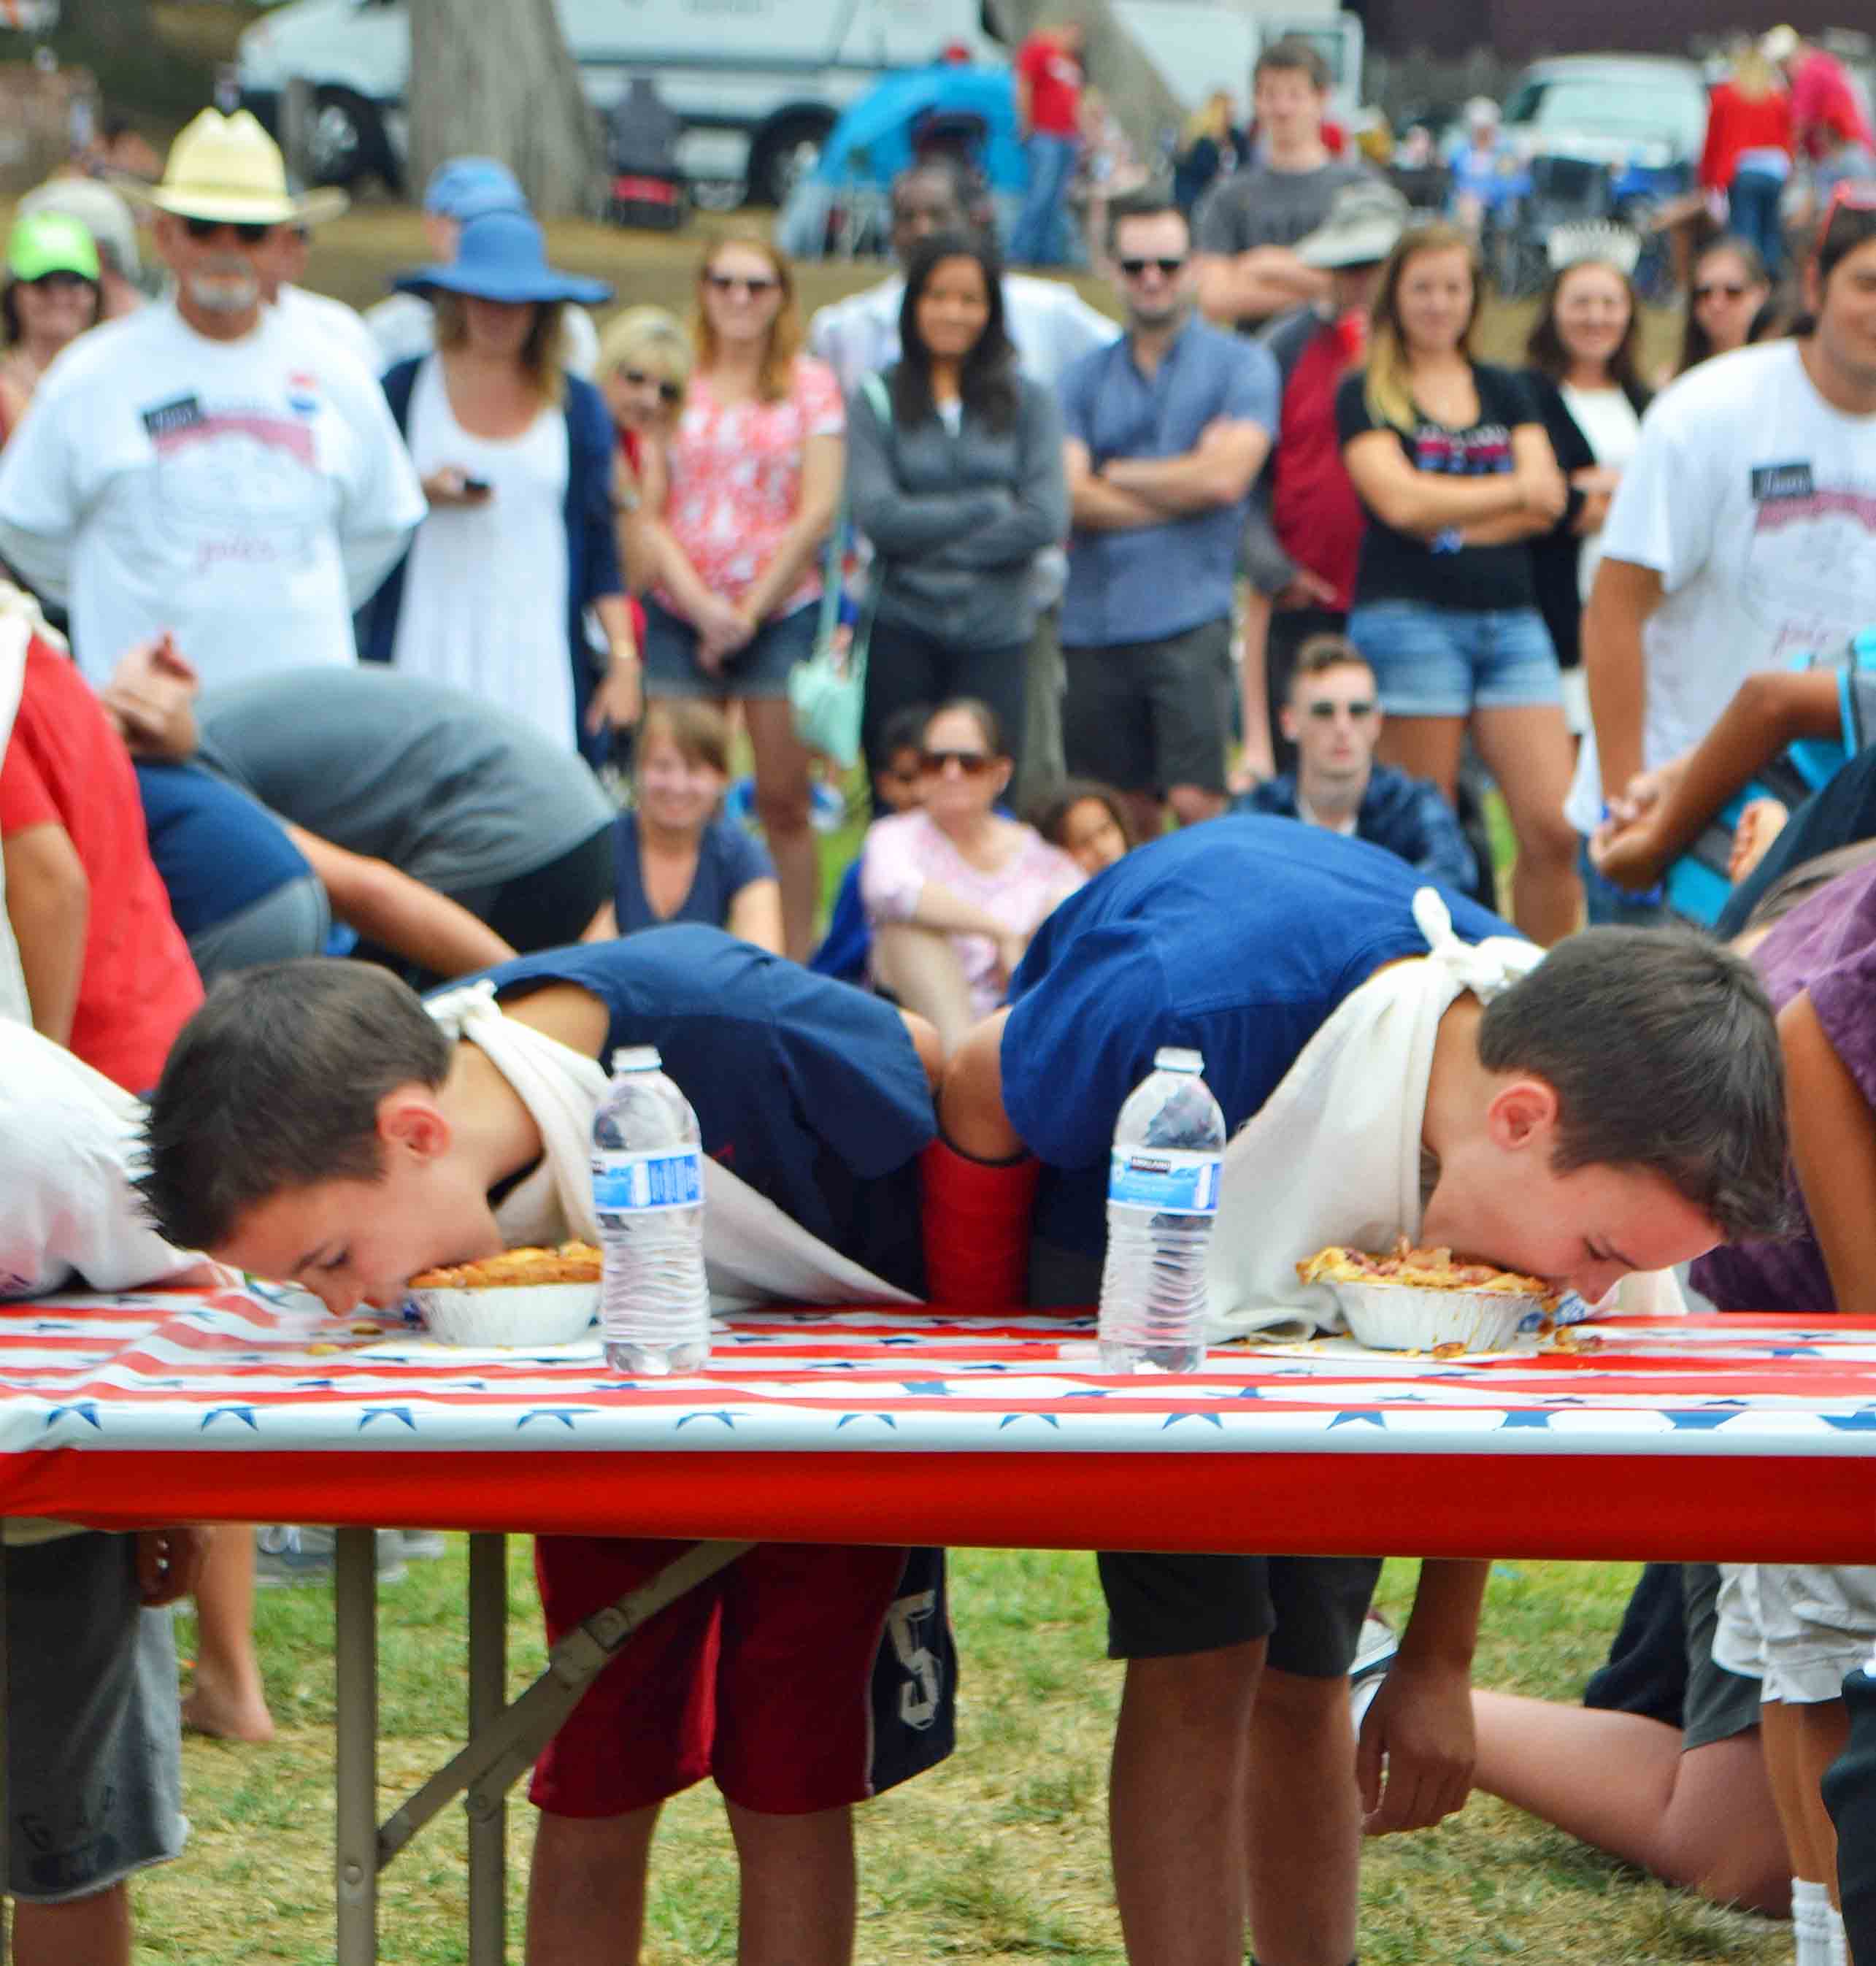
(1449, 457)
(1583, 372)
(753, 478)
(1729, 301)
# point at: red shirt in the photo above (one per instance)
(1824, 106)
(1736, 124)
(1055, 86)
(1314, 509)
(64, 765)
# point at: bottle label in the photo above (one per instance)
(1168, 1180)
(656, 1178)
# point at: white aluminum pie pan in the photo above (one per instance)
(1410, 1317)
(513, 1314)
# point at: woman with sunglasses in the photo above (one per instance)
(1581, 356)
(1449, 457)
(953, 888)
(515, 458)
(50, 298)
(958, 485)
(754, 477)
(1728, 299)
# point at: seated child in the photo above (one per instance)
(847, 949)
(1087, 819)
(412, 1150)
(93, 1726)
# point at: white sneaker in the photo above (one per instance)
(1374, 1652)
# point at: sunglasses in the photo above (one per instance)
(972, 764)
(752, 284)
(1733, 290)
(1323, 710)
(1132, 269)
(205, 229)
(668, 392)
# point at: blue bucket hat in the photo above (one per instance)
(501, 255)
(466, 187)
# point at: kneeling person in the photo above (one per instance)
(408, 1150)
(1616, 1106)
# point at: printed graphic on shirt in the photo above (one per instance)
(1810, 572)
(1481, 451)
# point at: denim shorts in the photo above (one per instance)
(760, 667)
(1448, 662)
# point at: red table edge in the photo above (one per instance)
(1631, 1507)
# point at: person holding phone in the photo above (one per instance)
(515, 458)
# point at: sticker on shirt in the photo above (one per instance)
(303, 395)
(1772, 481)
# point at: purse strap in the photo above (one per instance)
(873, 385)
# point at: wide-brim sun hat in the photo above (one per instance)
(228, 168)
(502, 256)
(50, 242)
(1364, 225)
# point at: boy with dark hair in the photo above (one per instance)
(1616, 1106)
(319, 1124)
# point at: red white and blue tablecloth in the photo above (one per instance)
(1719, 1436)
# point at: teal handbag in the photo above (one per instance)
(827, 692)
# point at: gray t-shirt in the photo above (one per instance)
(1259, 207)
(410, 771)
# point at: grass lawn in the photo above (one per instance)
(1000, 1855)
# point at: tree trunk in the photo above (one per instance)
(1136, 92)
(494, 77)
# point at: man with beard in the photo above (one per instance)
(1165, 430)
(200, 466)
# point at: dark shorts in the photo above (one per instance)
(1143, 717)
(1660, 1663)
(548, 907)
(1310, 1608)
(760, 667)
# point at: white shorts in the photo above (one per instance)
(1797, 1628)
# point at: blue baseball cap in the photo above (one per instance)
(502, 256)
(464, 187)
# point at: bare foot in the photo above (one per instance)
(226, 1712)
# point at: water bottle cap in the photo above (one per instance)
(1172, 1057)
(636, 1058)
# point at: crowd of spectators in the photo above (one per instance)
(319, 624)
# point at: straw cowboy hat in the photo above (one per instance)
(228, 167)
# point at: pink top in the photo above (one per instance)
(1823, 104)
(902, 852)
(736, 480)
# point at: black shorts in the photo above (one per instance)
(1310, 1608)
(1661, 1664)
(548, 907)
(1144, 716)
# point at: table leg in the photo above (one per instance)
(487, 1696)
(6, 1690)
(355, 1759)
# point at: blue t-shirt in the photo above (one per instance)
(728, 859)
(808, 1089)
(1238, 939)
(217, 850)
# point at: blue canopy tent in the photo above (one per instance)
(874, 140)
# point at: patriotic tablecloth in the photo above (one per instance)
(1721, 1436)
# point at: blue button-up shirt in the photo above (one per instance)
(1147, 582)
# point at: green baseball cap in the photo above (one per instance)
(50, 242)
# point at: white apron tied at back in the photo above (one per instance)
(754, 1254)
(1334, 1155)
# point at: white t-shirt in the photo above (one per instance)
(249, 495)
(404, 329)
(309, 313)
(1755, 502)
(485, 604)
(1612, 430)
(1049, 323)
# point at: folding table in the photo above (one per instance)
(1720, 1437)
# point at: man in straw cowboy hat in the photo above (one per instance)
(203, 466)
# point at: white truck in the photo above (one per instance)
(757, 83)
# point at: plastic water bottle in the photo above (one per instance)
(1163, 1198)
(648, 1192)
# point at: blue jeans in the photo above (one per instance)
(1038, 238)
(1430, 661)
(1754, 202)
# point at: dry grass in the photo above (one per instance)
(1000, 1856)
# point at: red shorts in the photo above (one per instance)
(759, 1677)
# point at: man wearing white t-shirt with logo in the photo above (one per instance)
(199, 466)
(1743, 536)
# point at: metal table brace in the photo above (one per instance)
(504, 1739)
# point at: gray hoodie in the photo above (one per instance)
(955, 521)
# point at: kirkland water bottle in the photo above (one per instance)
(1162, 1195)
(648, 1192)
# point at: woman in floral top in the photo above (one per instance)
(755, 472)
